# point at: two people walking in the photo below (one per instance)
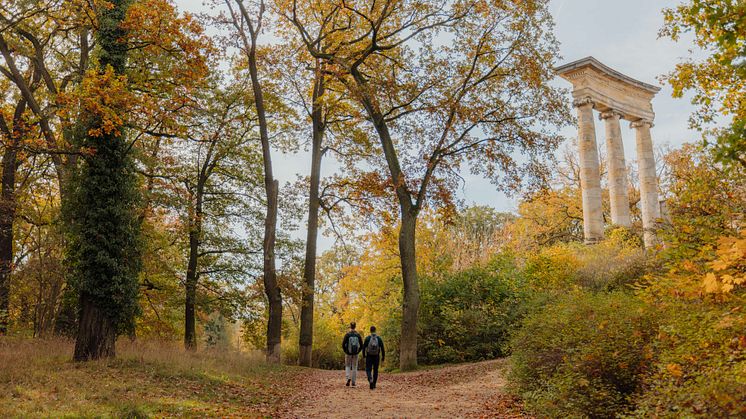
(373, 352)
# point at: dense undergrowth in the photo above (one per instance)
(655, 344)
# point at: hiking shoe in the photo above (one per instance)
(372, 386)
(348, 383)
(353, 384)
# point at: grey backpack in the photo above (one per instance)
(374, 347)
(353, 344)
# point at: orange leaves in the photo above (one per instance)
(156, 29)
(168, 56)
(103, 97)
(169, 51)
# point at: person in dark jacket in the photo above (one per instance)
(352, 344)
(374, 354)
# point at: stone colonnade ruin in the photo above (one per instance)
(616, 97)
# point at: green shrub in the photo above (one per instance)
(467, 316)
(613, 264)
(553, 267)
(701, 368)
(583, 354)
(326, 353)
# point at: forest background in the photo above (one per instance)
(178, 119)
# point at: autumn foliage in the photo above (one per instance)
(138, 197)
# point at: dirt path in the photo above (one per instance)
(463, 391)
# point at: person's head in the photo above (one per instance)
(372, 329)
(353, 325)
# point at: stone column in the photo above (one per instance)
(590, 175)
(617, 169)
(648, 180)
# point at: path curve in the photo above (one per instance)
(462, 391)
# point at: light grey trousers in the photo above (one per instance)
(351, 367)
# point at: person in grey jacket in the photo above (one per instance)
(352, 344)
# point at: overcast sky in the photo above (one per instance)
(622, 34)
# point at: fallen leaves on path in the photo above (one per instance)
(463, 391)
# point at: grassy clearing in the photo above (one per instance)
(147, 379)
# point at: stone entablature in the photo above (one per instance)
(609, 89)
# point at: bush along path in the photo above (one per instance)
(461, 391)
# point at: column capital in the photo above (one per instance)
(584, 101)
(640, 123)
(609, 114)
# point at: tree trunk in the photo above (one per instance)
(7, 217)
(96, 333)
(409, 212)
(190, 333)
(271, 187)
(195, 235)
(411, 303)
(13, 136)
(309, 268)
(107, 239)
(271, 288)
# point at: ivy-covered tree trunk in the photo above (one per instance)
(104, 243)
(309, 269)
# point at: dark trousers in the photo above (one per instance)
(371, 363)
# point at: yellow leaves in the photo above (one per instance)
(675, 370)
(711, 283)
(719, 265)
(168, 61)
(729, 269)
